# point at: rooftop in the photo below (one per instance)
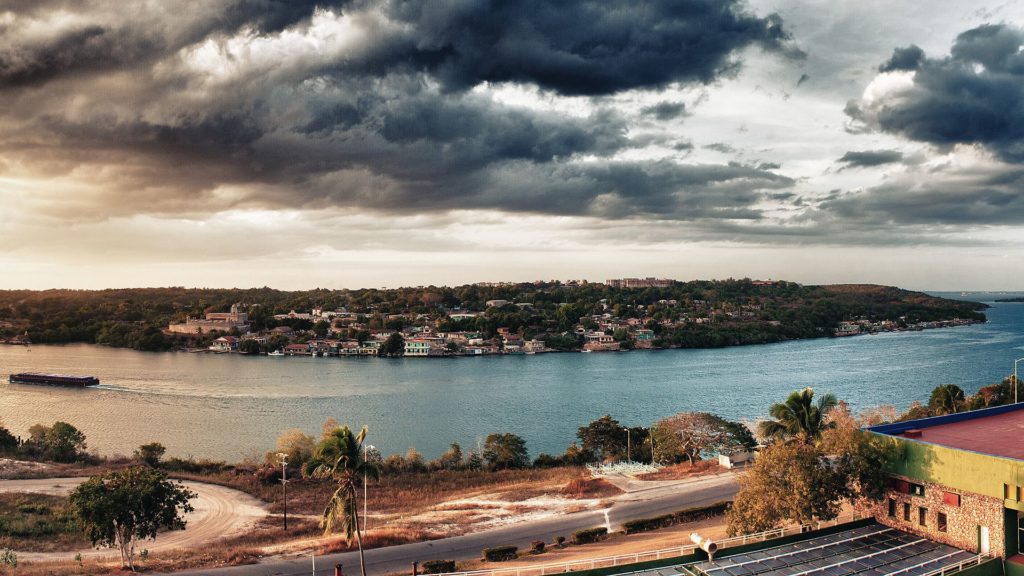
(994, 431)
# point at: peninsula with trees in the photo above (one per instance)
(473, 319)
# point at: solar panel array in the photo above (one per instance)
(872, 550)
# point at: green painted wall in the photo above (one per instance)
(960, 469)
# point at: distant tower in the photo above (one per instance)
(234, 308)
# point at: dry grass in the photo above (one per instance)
(38, 523)
(683, 471)
(379, 539)
(587, 488)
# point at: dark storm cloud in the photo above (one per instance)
(909, 58)
(665, 110)
(973, 96)
(870, 158)
(172, 107)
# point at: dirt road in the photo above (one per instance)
(219, 512)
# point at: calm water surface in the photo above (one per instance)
(224, 406)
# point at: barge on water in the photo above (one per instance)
(53, 379)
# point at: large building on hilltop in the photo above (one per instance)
(214, 322)
(958, 479)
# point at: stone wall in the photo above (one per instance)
(962, 522)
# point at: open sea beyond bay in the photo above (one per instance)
(226, 406)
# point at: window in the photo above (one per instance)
(951, 499)
(906, 511)
(922, 516)
(1018, 493)
(1006, 491)
(941, 521)
(892, 507)
(917, 490)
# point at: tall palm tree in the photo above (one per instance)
(799, 418)
(339, 457)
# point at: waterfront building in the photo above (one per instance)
(959, 480)
(225, 344)
(214, 322)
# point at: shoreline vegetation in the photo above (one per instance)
(471, 320)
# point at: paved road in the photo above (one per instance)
(664, 498)
(219, 512)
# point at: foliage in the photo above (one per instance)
(393, 346)
(452, 459)
(790, 481)
(297, 445)
(340, 457)
(946, 399)
(438, 566)
(250, 347)
(589, 535)
(8, 441)
(505, 451)
(537, 547)
(680, 517)
(799, 418)
(500, 553)
(150, 453)
(119, 508)
(603, 439)
(9, 558)
(61, 442)
(696, 435)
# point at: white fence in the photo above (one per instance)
(626, 559)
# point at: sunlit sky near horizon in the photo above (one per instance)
(353, 143)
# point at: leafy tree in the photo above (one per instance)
(790, 481)
(63, 442)
(603, 439)
(946, 399)
(151, 453)
(119, 508)
(298, 445)
(799, 418)
(339, 458)
(8, 441)
(393, 346)
(452, 459)
(504, 451)
(250, 347)
(695, 435)
(320, 328)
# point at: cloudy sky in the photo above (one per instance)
(354, 143)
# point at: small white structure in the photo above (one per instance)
(736, 459)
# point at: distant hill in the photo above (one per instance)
(694, 314)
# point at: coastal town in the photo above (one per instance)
(459, 331)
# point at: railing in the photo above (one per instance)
(953, 568)
(626, 559)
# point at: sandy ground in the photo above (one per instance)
(219, 512)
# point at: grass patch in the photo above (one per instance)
(38, 523)
(590, 488)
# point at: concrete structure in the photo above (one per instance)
(214, 322)
(639, 283)
(959, 480)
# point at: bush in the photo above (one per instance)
(680, 517)
(560, 541)
(437, 566)
(500, 553)
(537, 547)
(589, 535)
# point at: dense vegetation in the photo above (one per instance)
(738, 311)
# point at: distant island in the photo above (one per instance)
(1016, 299)
(474, 319)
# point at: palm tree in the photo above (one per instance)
(339, 457)
(946, 399)
(799, 417)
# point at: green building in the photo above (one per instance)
(958, 479)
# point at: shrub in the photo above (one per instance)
(680, 517)
(560, 541)
(537, 547)
(589, 535)
(500, 553)
(438, 566)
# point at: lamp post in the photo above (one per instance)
(366, 517)
(284, 484)
(628, 442)
(1015, 379)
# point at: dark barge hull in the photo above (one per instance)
(53, 379)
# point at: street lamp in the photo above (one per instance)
(284, 484)
(628, 442)
(1015, 379)
(366, 517)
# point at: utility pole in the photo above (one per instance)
(1015, 379)
(284, 484)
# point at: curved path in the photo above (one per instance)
(219, 512)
